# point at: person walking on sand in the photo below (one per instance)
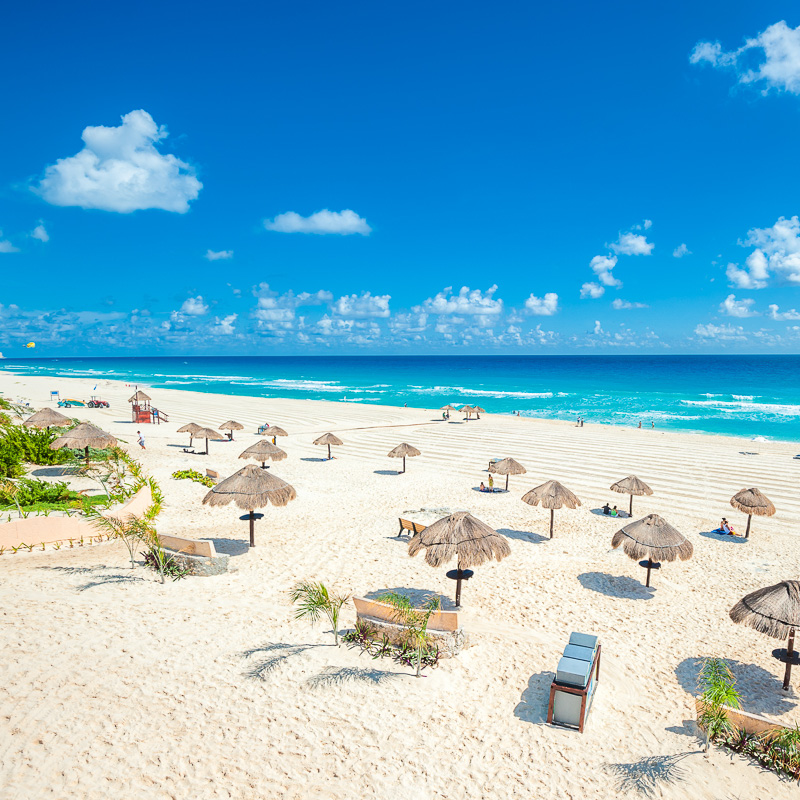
(141, 439)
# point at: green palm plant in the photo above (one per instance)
(718, 689)
(414, 620)
(313, 600)
(783, 747)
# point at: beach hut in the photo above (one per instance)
(231, 425)
(329, 439)
(654, 539)
(403, 450)
(463, 537)
(274, 431)
(251, 488)
(191, 428)
(140, 407)
(751, 501)
(82, 437)
(551, 495)
(774, 611)
(507, 466)
(47, 418)
(632, 486)
(263, 451)
(209, 433)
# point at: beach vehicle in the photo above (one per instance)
(96, 402)
(68, 402)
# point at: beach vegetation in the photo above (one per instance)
(717, 689)
(313, 600)
(415, 624)
(34, 446)
(10, 460)
(193, 475)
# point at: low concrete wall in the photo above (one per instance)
(749, 723)
(438, 621)
(38, 530)
(189, 547)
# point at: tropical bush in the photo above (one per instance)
(10, 460)
(193, 475)
(313, 600)
(415, 624)
(34, 446)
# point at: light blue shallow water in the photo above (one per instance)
(735, 395)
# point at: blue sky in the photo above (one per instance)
(363, 178)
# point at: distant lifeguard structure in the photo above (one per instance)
(143, 412)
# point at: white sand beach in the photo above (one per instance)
(115, 686)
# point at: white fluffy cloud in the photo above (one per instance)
(224, 326)
(737, 308)
(776, 51)
(120, 169)
(6, 246)
(218, 255)
(275, 310)
(776, 313)
(194, 307)
(632, 244)
(720, 332)
(620, 305)
(602, 266)
(325, 221)
(681, 250)
(466, 302)
(40, 233)
(777, 255)
(542, 306)
(362, 306)
(593, 290)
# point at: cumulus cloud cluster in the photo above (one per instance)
(343, 223)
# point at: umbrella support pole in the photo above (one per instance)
(329, 452)
(747, 532)
(506, 482)
(252, 529)
(404, 465)
(630, 509)
(787, 677)
(551, 522)
(649, 567)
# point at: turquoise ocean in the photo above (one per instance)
(752, 396)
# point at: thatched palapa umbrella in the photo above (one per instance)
(231, 425)
(551, 495)
(632, 486)
(47, 418)
(329, 439)
(479, 411)
(507, 466)
(274, 431)
(655, 539)
(191, 428)
(263, 450)
(403, 450)
(448, 407)
(84, 436)
(209, 433)
(460, 535)
(751, 501)
(775, 611)
(251, 488)
(467, 410)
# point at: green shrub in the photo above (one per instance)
(27, 492)
(193, 475)
(35, 445)
(10, 460)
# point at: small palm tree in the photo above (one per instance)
(313, 600)
(414, 620)
(718, 689)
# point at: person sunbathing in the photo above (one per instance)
(482, 487)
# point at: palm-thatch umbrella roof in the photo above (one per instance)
(251, 488)
(274, 431)
(478, 411)
(84, 436)
(460, 536)
(507, 466)
(328, 439)
(448, 407)
(654, 539)
(632, 486)
(47, 418)
(403, 450)
(209, 433)
(190, 427)
(262, 451)
(774, 611)
(552, 495)
(231, 425)
(752, 501)
(140, 397)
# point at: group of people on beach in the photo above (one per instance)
(725, 529)
(614, 512)
(490, 488)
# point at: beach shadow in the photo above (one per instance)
(647, 775)
(417, 596)
(620, 514)
(387, 472)
(315, 459)
(761, 691)
(615, 586)
(272, 655)
(75, 570)
(532, 706)
(229, 547)
(723, 537)
(688, 727)
(105, 580)
(523, 536)
(55, 472)
(333, 678)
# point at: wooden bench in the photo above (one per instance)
(213, 474)
(411, 527)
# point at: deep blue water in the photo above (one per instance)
(735, 395)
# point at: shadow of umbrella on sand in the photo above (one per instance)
(47, 418)
(507, 466)
(654, 539)
(403, 450)
(551, 495)
(84, 436)
(251, 488)
(329, 439)
(775, 611)
(751, 501)
(632, 486)
(463, 537)
(264, 451)
(191, 428)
